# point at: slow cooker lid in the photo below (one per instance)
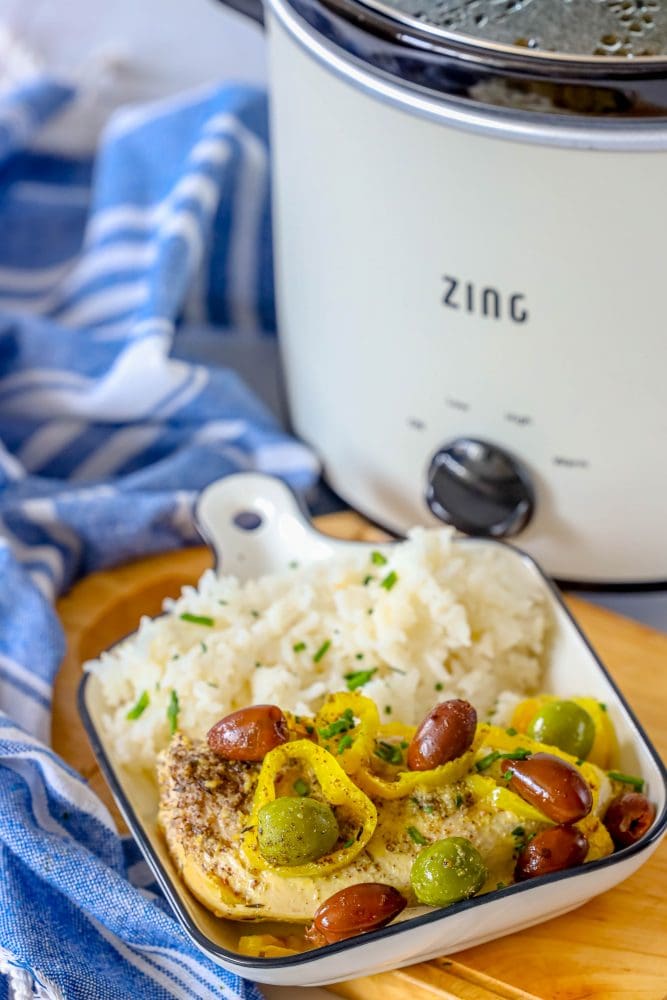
(394, 39)
(611, 29)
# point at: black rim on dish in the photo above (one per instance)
(249, 962)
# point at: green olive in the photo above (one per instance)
(293, 831)
(565, 725)
(447, 871)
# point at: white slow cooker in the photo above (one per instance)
(470, 210)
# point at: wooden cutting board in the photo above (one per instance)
(614, 947)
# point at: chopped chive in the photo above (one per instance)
(197, 619)
(507, 774)
(388, 752)
(212, 684)
(257, 664)
(299, 647)
(423, 806)
(500, 885)
(627, 779)
(439, 686)
(173, 708)
(511, 731)
(220, 601)
(367, 580)
(378, 559)
(520, 753)
(345, 742)
(300, 787)
(340, 725)
(358, 678)
(176, 656)
(458, 801)
(403, 744)
(293, 564)
(389, 580)
(397, 670)
(518, 831)
(348, 843)
(321, 651)
(484, 762)
(254, 613)
(602, 706)
(414, 834)
(204, 647)
(370, 611)
(387, 709)
(359, 656)
(579, 761)
(310, 730)
(140, 707)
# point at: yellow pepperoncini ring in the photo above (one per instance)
(604, 751)
(401, 782)
(503, 799)
(337, 789)
(496, 738)
(346, 726)
(397, 729)
(599, 842)
(268, 946)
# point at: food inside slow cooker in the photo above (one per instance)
(621, 28)
(337, 824)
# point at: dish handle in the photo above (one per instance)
(255, 525)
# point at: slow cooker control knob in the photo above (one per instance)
(480, 489)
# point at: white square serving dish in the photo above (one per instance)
(255, 526)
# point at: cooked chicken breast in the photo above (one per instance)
(205, 803)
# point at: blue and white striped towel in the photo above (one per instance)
(104, 441)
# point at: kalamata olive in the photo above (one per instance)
(447, 871)
(628, 818)
(551, 851)
(293, 831)
(446, 732)
(249, 734)
(565, 725)
(356, 910)
(553, 786)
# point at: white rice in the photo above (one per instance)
(460, 621)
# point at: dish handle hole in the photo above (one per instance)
(247, 520)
